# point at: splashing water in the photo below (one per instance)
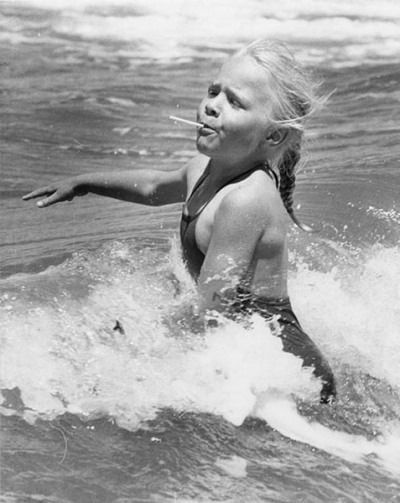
(65, 352)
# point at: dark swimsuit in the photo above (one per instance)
(294, 339)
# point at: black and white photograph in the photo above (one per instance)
(200, 251)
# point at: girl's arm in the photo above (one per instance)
(145, 186)
(238, 226)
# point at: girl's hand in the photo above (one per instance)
(56, 193)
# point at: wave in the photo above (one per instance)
(113, 334)
(334, 33)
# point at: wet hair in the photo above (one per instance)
(294, 99)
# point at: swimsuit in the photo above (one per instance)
(199, 199)
(294, 339)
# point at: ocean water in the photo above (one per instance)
(110, 391)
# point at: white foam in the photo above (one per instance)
(65, 356)
(289, 9)
(235, 466)
(361, 327)
(336, 32)
(70, 365)
(281, 414)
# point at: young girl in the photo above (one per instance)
(237, 191)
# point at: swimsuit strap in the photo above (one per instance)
(186, 217)
(189, 218)
(270, 171)
(200, 181)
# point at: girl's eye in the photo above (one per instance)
(234, 102)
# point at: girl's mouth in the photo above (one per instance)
(207, 127)
(206, 130)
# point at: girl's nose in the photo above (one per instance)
(212, 108)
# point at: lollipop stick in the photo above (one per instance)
(190, 123)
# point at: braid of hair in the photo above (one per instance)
(288, 181)
(293, 100)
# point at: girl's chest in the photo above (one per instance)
(204, 224)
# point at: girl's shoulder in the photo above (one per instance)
(253, 208)
(257, 196)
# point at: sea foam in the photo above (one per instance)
(336, 33)
(63, 349)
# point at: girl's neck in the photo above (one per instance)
(221, 172)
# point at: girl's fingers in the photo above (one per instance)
(54, 198)
(55, 194)
(43, 191)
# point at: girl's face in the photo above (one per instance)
(236, 113)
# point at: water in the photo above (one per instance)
(158, 410)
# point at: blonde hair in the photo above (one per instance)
(294, 99)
